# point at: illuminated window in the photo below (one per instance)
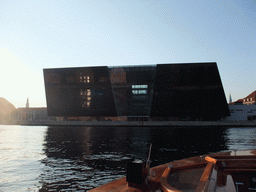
(139, 89)
(86, 104)
(85, 79)
(87, 92)
(86, 96)
(139, 86)
(139, 92)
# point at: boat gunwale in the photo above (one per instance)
(182, 164)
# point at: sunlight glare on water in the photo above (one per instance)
(21, 152)
(244, 138)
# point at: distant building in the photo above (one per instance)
(6, 110)
(31, 114)
(27, 104)
(241, 113)
(157, 92)
(248, 100)
(230, 98)
(243, 109)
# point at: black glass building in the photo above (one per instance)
(173, 91)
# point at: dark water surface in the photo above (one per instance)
(42, 158)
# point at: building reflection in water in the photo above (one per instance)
(81, 158)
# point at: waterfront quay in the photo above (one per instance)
(144, 123)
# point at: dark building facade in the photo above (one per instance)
(173, 91)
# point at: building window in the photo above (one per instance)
(139, 86)
(86, 96)
(86, 104)
(84, 79)
(138, 91)
(86, 92)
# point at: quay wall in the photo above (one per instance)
(144, 123)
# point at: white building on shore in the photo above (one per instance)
(243, 109)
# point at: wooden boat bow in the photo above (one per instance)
(224, 171)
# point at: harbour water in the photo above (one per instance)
(79, 158)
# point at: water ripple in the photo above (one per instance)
(81, 158)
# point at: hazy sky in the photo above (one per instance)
(73, 33)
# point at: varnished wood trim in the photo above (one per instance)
(189, 166)
(232, 157)
(165, 186)
(210, 159)
(204, 181)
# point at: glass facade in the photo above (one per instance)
(178, 91)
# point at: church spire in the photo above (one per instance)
(230, 99)
(27, 104)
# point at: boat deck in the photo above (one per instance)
(122, 185)
(232, 166)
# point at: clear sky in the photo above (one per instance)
(73, 33)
